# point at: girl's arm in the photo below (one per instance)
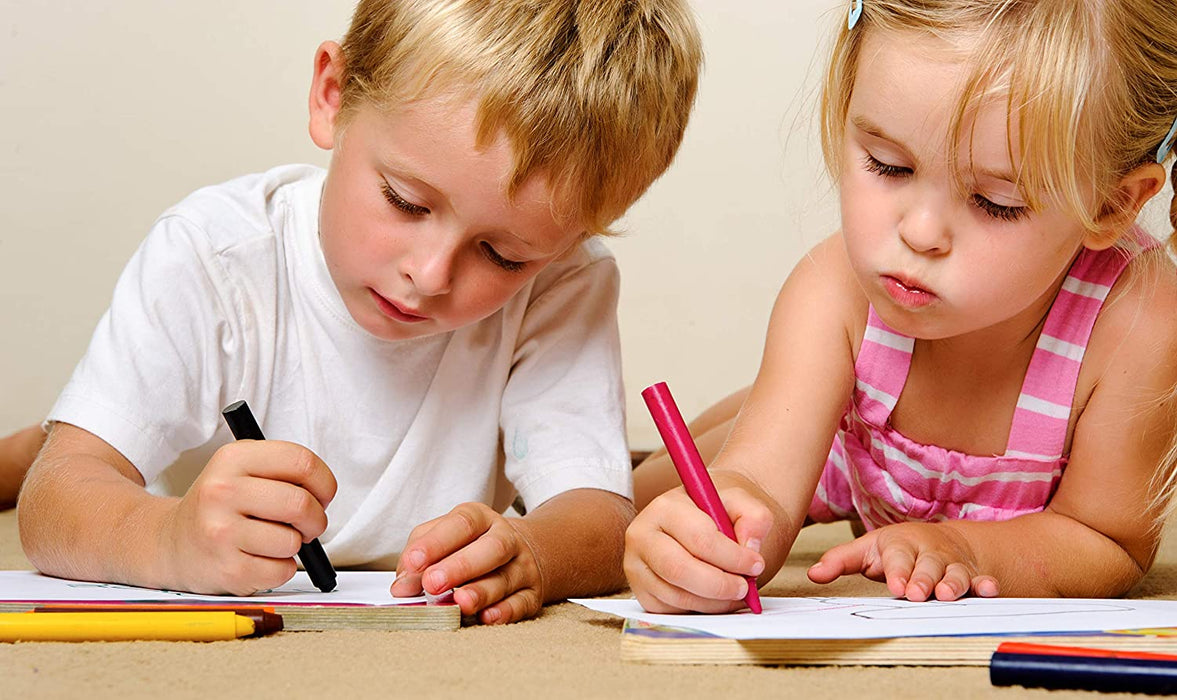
(84, 514)
(768, 469)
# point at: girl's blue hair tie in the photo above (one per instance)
(1167, 144)
(855, 13)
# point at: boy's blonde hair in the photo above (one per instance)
(594, 94)
(1093, 83)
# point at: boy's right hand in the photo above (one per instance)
(241, 523)
(677, 560)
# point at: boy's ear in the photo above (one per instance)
(1120, 212)
(326, 93)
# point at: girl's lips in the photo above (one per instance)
(907, 293)
(394, 311)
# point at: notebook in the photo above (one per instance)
(360, 600)
(888, 632)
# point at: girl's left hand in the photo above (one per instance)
(916, 560)
(480, 554)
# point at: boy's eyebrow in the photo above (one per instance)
(877, 131)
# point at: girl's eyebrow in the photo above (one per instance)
(869, 127)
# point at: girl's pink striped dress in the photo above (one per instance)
(875, 473)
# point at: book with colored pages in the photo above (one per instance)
(361, 600)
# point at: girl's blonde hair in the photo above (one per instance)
(1092, 82)
(595, 94)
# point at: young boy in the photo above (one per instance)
(427, 324)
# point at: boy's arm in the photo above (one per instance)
(84, 514)
(578, 539)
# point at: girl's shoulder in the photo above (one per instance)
(1135, 333)
(826, 277)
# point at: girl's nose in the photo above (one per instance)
(925, 229)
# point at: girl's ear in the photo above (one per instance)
(1121, 210)
(326, 93)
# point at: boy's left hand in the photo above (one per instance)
(917, 560)
(482, 555)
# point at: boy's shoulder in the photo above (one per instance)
(248, 207)
(590, 259)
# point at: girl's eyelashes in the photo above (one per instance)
(991, 209)
(493, 256)
(401, 203)
(878, 167)
(998, 211)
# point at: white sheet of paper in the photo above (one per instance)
(875, 618)
(352, 588)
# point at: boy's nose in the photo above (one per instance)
(430, 271)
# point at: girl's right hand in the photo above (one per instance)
(240, 524)
(677, 560)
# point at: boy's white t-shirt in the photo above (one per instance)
(229, 298)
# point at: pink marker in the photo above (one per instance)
(691, 469)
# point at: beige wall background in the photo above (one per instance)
(113, 111)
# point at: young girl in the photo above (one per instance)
(424, 330)
(988, 341)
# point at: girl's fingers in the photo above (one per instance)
(658, 596)
(899, 566)
(856, 557)
(680, 568)
(956, 582)
(985, 586)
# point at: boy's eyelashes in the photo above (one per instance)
(493, 256)
(1000, 212)
(411, 209)
(400, 202)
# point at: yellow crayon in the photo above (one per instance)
(123, 626)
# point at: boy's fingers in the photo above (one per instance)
(495, 586)
(268, 539)
(492, 550)
(449, 533)
(282, 502)
(406, 585)
(285, 461)
(520, 605)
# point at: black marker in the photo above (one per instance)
(311, 554)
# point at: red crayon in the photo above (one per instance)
(691, 470)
